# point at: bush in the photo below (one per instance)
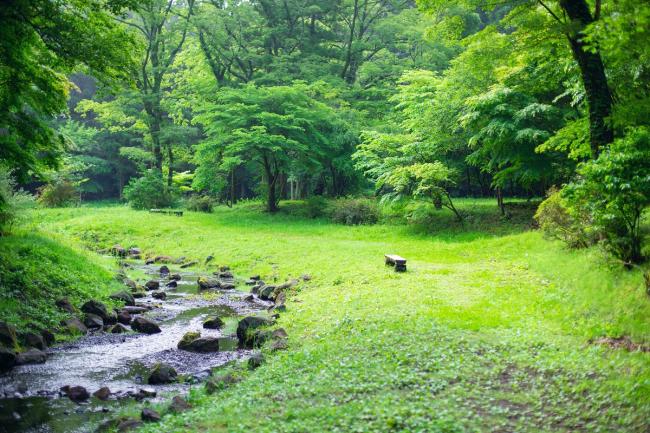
(58, 193)
(316, 206)
(148, 192)
(12, 203)
(556, 222)
(355, 211)
(614, 190)
(200, 203)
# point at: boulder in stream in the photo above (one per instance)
(164, 271)
(128, 424)
(123, 296)
(32, 356)
(206, 283)
(189, 264)
(266, 292)
(193, 342)
(48, 336)
(75, 393)
(163, 259)
(152, 285)
(161, 373)
(102, 393)
(124, 317)
(176, 277)
(130, 284)
(99, 309)
(213, 323)
(172, 284)
(74, 326)
(144, 325)
(34, 340)
(118, 250)
(246, 327)
(118, 329)
(7, 335)
(7, 359)
(179, 404)
(159, 295)
(149, 415)
(93, 321)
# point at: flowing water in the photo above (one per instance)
(29, 395)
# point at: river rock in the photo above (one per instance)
(145, 325)
(164, 271)
(176, 277)
(144, 393)
(130, 284)
(213, 323)
(245, 327)
(123, 296)
(255, 361)
(150, 261)
(48, 337)
(93, 321)
(189, 264)
(34, 340)
(134, 309)
(306, 277)
(187, 339)
(118, 250)
(281, 344)
(65, 305)
(227, 286)
(129, 424)
(118, 329)
(209, 259)
(149, 415)
(152, 285)
(102, 393)
(76, 393)
(255, 277)
(98, 308)
(7, 359)
(163, 259)
(135, 251)
(8, 335)
(206, 283)
(32, 356)
(159, 295)
(172, 284)
(124, 317)
(75, 326)
(161, 373)
(266, 292)
(179, 405)
(139, 294)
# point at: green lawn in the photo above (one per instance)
(487, 331)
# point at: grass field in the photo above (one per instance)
(488, 330)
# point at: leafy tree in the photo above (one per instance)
(40, 42)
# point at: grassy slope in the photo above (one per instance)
(36, 270)
(484, 333)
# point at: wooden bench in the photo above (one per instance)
(167, 211)
(394, 260)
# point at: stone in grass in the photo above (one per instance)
(218, 383)
(161, 373)
(189, 264)
(247, 325)
(32, 356)
(149, 415)
(145, 326)
(129, 424)
(7, 335)
(179, 404)
(99, 309)
(280, 344)
(102, 393)
(213, 323)
(255, 361)
(159, 295)
(65, 305)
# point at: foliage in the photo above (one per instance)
(614, 190)
(316, 206)
(59, 192)
(13, 203)
(354, 212)
(40, 42)
(149, 192)
(555, 220)
(199, 203)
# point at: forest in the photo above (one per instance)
(501, 147)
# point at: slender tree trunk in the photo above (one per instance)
(502, 208)
(271, 178)
(232, 186)
(592, 71)
(170, 169)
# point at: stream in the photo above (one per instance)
(30, 400)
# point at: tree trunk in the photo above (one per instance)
(170, 169)
(592, 71)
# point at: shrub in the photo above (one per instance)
(199, 203)
(556, 222)
(149, 191)
(12, 203)
(315, 206)
(355, 211)
(59, 192)
(614, 190)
